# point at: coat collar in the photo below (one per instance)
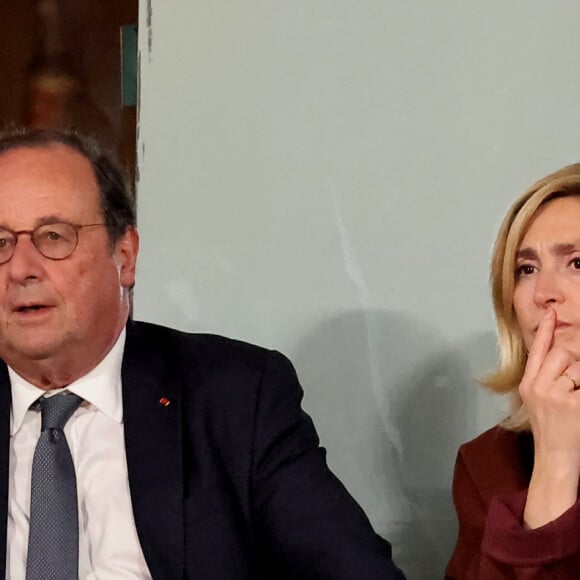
(153, 442)
(5, 400)
(499, 451)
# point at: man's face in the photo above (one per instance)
(71, 309)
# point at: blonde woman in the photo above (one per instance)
(516, 486)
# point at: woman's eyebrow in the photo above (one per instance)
(564, 249)
(526, 254)
(561, 249)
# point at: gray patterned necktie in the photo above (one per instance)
(53, 540)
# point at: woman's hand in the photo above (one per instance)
(548, 389)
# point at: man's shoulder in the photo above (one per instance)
(217, 365)
(205, 349)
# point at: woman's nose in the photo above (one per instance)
(548, 288)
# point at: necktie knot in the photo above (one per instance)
(57, 410)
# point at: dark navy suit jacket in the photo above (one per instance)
(227, 479)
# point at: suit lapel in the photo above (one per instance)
(152, 423)
(5, 401)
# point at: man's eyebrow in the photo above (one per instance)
(49, 219)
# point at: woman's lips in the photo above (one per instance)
(560, 325)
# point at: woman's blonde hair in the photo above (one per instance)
(513, 353)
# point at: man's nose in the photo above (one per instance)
(27, 263)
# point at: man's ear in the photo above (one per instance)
(126, 250)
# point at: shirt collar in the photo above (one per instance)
(100, 387)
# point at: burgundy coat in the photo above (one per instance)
(490, 483)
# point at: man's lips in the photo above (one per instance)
(29, 308)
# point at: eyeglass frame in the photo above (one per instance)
(15, 234)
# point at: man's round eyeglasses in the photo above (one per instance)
(55, 241)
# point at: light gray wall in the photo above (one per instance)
(326, 177)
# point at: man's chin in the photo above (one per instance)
(28, 351)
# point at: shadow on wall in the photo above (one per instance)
(392, 400)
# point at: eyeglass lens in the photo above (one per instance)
(55, 241)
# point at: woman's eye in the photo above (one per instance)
(575, 263)
(525, 270)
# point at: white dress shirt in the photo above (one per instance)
(108, 545)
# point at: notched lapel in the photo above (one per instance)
(152, 423)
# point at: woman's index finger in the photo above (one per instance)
(541, 344)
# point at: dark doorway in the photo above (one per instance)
(61, 66)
